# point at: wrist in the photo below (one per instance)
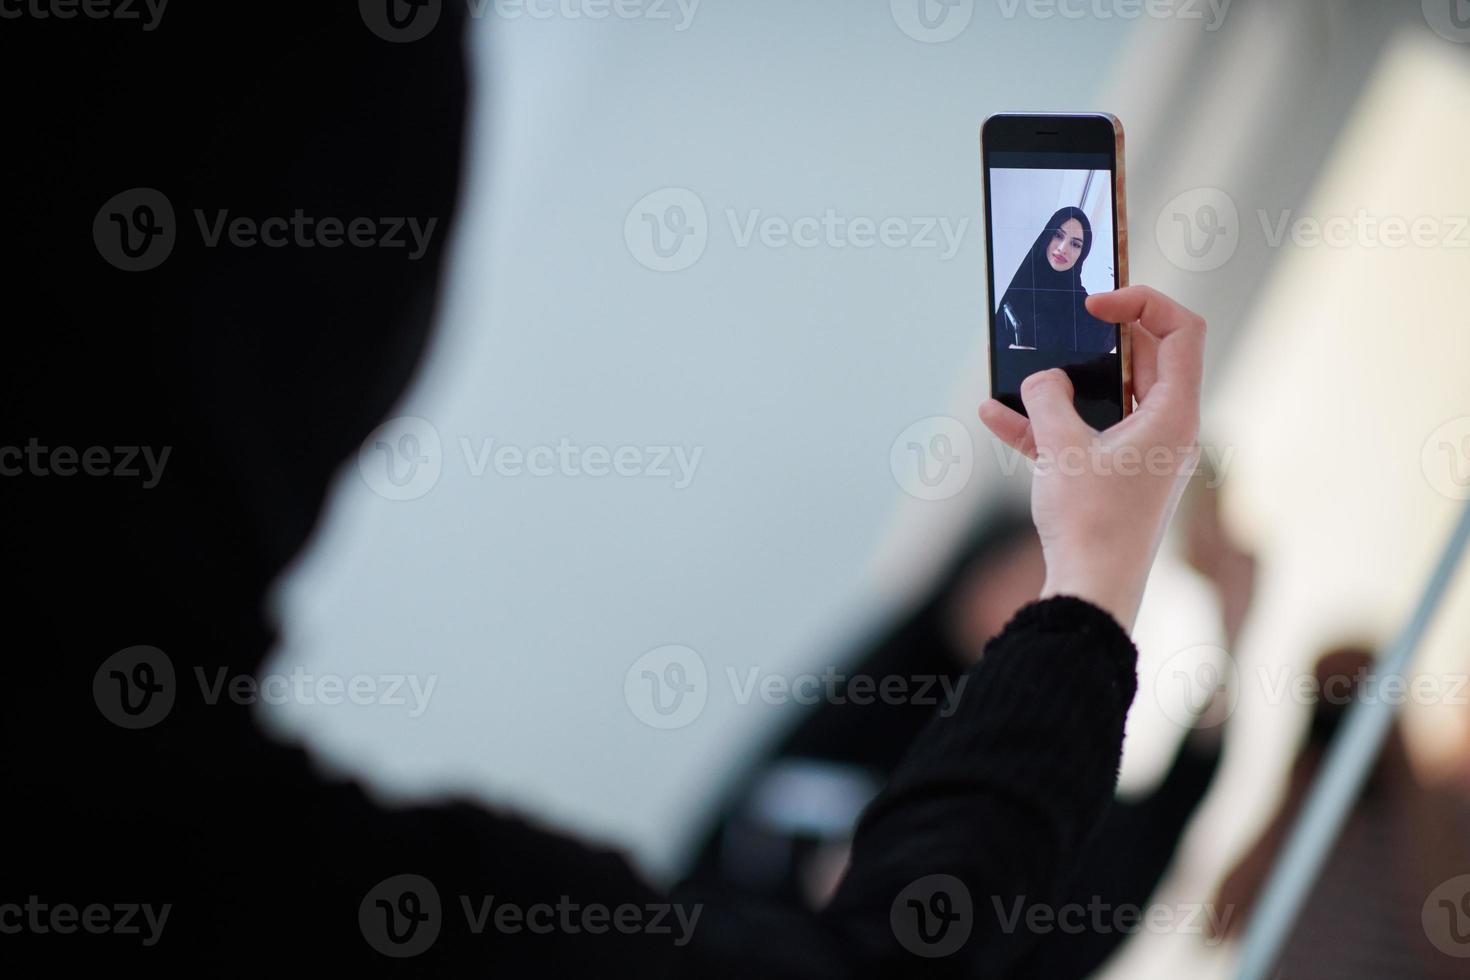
(1116, 592)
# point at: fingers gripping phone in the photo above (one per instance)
(1055, 232)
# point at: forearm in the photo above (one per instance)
(1003, 793)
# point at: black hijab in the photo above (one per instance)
(1044, 308)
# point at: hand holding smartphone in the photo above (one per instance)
(1101, 500)
(1055, 232)
(1069, 340)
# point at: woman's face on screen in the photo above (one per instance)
(1065, 245)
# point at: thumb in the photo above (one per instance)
(1047, 396)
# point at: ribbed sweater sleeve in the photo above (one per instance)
(998, 795)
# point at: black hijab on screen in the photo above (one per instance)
(1049, 305)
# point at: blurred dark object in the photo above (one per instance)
(1401, 842)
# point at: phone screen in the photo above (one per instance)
(1051, 222)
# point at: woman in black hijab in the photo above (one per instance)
(1043, 308)
(134, 763)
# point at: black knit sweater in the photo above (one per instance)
(262, 860)
(1001, 795)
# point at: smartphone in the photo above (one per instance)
(1056, 230)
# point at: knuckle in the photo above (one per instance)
(1040, 381)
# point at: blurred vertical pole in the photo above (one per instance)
(1353, 753)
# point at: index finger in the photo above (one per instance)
(1181, 332)
(1160, 314)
